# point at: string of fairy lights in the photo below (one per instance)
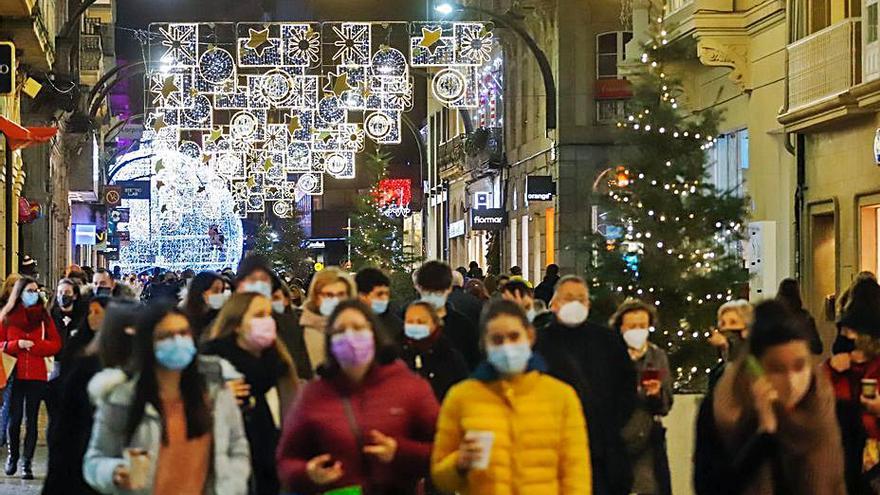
(633, 238)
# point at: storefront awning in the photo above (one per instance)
(22, 137)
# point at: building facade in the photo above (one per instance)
(832, 101)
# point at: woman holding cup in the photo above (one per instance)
(366, 425)
(474, 451)
(644, 435)
(172, 429)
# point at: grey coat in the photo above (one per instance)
(231, 467)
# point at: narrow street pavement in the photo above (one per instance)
(14, 485)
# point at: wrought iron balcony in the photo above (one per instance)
(824, 64)
(91, 59)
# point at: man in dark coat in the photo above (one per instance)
(464, 302)
(434, 284)
(594, 361)
(374, 290)
(544, 290)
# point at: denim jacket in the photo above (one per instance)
(231, 454)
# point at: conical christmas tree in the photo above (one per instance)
(667, 235)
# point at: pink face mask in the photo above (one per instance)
(262, 332)
(353, 348)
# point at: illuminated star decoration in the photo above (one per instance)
(215, 135)
(366, 92)
(431, 39)
(293, 124)
(159, 123)
(159, 166)
(258, 41)
(337, 83)
(267, 165)
(169, 87)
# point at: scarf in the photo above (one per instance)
(315, 321)
(810, 450)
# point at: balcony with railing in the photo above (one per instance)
(824, 64)
(91, 59)
(31, 23)
(676, 5)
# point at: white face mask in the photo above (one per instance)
(636, 338)
(573, 314)
(278, 307)
(216, 301)
(799, 384)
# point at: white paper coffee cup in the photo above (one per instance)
(485, 439)
(138, 461)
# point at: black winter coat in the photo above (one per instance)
(71, 430)
(595, 362)
(291, 334)
(440, 364)
(462, 334)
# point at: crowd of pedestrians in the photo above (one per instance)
(253, 383)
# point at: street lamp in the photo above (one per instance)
(508, 20)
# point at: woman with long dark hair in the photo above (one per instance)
(28, 333)
(173, 428)
(108, 347)
(367, 422)
(246, 335)
(204, 300)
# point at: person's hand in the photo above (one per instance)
(240, 389)
(468, 453)
(323, 471)
(522, 300)
(652, 388)
(383, 448)
(765, 396)
(871, 404)
(25, 344)
(840, 362)
(122, 477)
(717, 339)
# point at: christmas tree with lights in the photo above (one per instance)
(666, 234)
(284, 245)
(377, 239)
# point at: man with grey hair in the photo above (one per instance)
(593, 360)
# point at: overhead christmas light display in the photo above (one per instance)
(188, 220)
(274, 108)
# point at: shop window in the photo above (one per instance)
(871, 27)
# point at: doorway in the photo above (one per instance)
(823, 273)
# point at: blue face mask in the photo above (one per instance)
(29, 299)
(328, 304)
(436, 299)
(175, 353)
(531, 314)
(380, 306)
(416, 331)
(260, 287)
(510, 359)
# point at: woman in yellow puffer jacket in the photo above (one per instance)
(530, 424)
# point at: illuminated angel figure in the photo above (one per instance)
(180, 41)
(303, 45)
(475, 44)
(353, 44)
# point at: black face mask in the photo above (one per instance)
(843, 345)
(65, 300)
(735, 342)
(104, 291)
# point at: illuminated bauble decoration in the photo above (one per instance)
(216, 66)
(277, 86)
(243, 125)
(378, 125)
(189, 211)
(390, 62)
(449, 85)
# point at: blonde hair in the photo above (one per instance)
(324, 278)
(8, 285)
(741, 307)
(228, 322)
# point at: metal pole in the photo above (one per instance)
(348, 239)
(540, 56)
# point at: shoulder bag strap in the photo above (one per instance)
(358, 434)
